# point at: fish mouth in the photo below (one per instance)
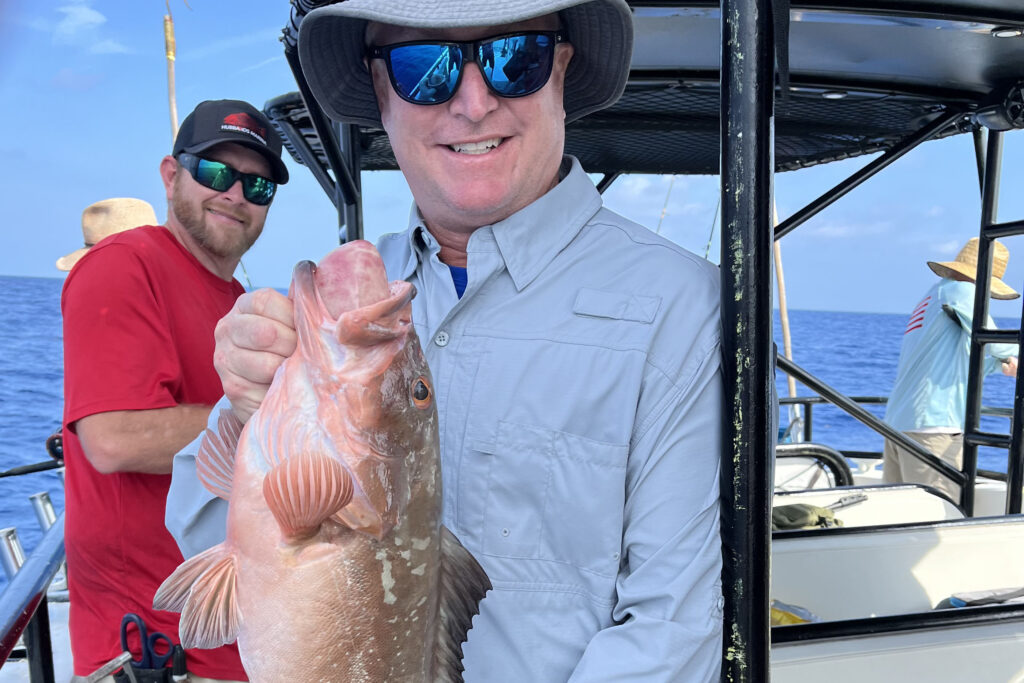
(347, 279)
(349, 291)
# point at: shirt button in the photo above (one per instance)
(441, 338)
(504, 532)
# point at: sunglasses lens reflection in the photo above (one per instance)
(517, 65)
(220, 177)
(426, 72)
(513, 66)
(214, 175)
(258, 190)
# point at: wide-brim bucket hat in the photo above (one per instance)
(105, 218)
(966, 264)
(332, 49)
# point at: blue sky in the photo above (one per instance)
(84, 87)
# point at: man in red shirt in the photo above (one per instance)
(140, 310)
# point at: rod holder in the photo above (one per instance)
(43, 506)
(12, 554)
(47, 515)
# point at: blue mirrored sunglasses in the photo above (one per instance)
(220, 177)
(429, 72)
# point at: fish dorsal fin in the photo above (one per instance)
(215, 463)
(203, 590)
(463, 585)
(305, 490)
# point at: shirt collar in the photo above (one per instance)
(421, 245)
(529, 239)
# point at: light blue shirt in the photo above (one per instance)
(578, 387)
(931, 378)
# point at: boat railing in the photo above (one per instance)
(832, 460)
(852, 406)
(806, 425)
(23, 604)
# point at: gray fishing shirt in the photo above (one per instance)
(930, 391)
(578, 389)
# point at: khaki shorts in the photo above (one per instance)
(898, 465)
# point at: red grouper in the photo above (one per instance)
(336, 566)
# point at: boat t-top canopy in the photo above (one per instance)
(861, 76)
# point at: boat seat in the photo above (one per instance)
(885, 504)
(853, 573)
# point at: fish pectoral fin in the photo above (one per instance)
(463, 585)
(203, 590)
(215, 463)
(305, 490)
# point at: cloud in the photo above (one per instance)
(260, 65)
(950, 247)
(218, 46)
(108, 47)
(79, 19)
(837, 230)
(81, 26)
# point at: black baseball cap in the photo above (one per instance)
(215, 121)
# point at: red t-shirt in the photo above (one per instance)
(139, 314)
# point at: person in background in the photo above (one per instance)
(139, 314)
(929, 398)
(105, 218)
(102, 219)
(575, 354)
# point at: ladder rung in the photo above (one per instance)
(987, 439)
(1009, 229)
(987, 336)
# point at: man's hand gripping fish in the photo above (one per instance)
(336, 566)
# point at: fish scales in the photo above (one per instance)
(335, 565)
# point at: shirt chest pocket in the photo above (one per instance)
(546, 495)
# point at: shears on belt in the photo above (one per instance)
(150, 643)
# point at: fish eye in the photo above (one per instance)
(421, 392)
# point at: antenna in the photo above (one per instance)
(169, 50)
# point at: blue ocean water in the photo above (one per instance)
(855, 353)
(31, 397)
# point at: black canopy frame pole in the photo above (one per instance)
(813, 208)
(346, 189)
(747, 163)
(351, 153)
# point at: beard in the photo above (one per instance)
(221, 243)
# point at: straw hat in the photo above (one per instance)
(332, 50)
(105, 218)
(966, 265)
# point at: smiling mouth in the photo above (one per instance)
(482, 147)
(225, 214)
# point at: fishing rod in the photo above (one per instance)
(29, 469)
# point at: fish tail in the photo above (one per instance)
(305, 490)
(203, 590)
(463, 585)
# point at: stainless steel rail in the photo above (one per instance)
(23, 604)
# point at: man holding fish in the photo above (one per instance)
(575, 354)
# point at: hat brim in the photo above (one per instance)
(332, 50)
(951, 269)
(278, 171)
(67, 262)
